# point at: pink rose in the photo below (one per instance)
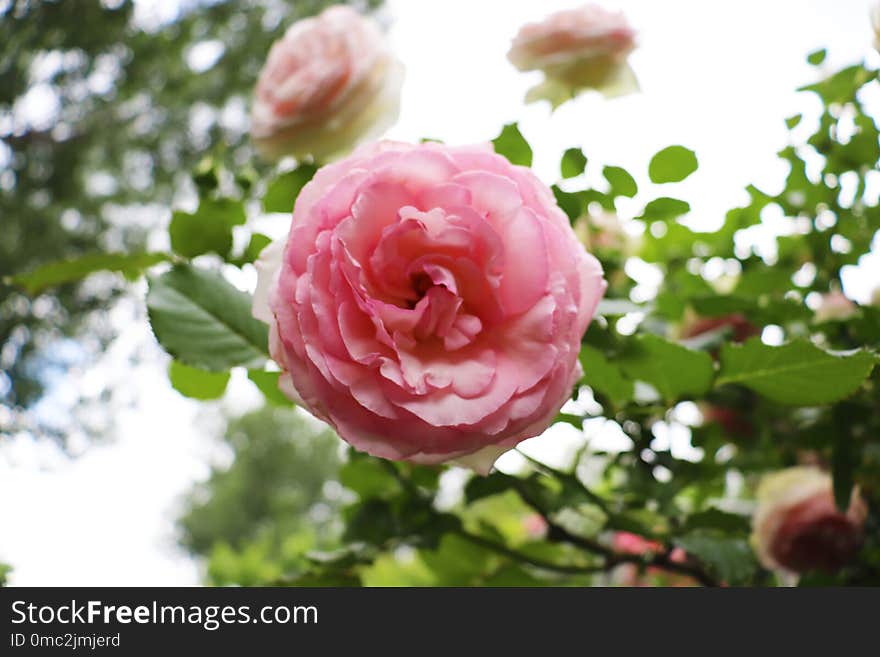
(576, 49)
(429, 303)
(329, 83)
(797, 526)
(835, 306)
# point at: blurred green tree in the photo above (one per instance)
(257, 506)
(104, 105)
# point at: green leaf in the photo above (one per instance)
(494, 484)
(817, 56)
(792, 121)
(573, 163)
(730, 559)
(252, 251)
(571, 203)
(282, 192)
(672, 164)
(267, 382)
(622, 183)
(664, 209)
(675, 371)
(368, 477)
(604, 376)
(203, 321)
(512, 145)
(130, 265)
(797, 373)
(197, 383)
(208, 229)
(843, 85)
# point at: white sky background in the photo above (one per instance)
(718, 77)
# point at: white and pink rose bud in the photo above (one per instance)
(576, 49)
(329, 83)
(797, 526)
(429, 302)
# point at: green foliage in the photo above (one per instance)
(606, 376)
(281, 193)
(130, 265)
(573, 163)
(267, 383)
(797, 373)
(4, 573)
(672, 164)
(252, 519)
(817, 57)
(196, 383)
(512, 145)
(203, 321)
(134, 110)
(622, 184)
(207, 230)
(672, 369)
(665, 209)
(731, 559)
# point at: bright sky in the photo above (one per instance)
(718, 77)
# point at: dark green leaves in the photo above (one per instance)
(672, 164)
(573, 163)
(672, 369)
(205, 322)
(282, 192)
(512, 145)
(622, 184)
(571, 203)
(196, 383)
(130, 265)
(208, 229)
(798, 373)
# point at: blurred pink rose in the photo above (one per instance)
(576, 49)
(429, 303)
(630, 543)
(329, 83)
(835, 306)
(797, 526)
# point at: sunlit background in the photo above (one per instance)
(717, 77)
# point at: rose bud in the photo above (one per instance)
(329, 83)
(834, 306)
(535, 526)
(576, 49)
(798, 528)
(429, 302)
